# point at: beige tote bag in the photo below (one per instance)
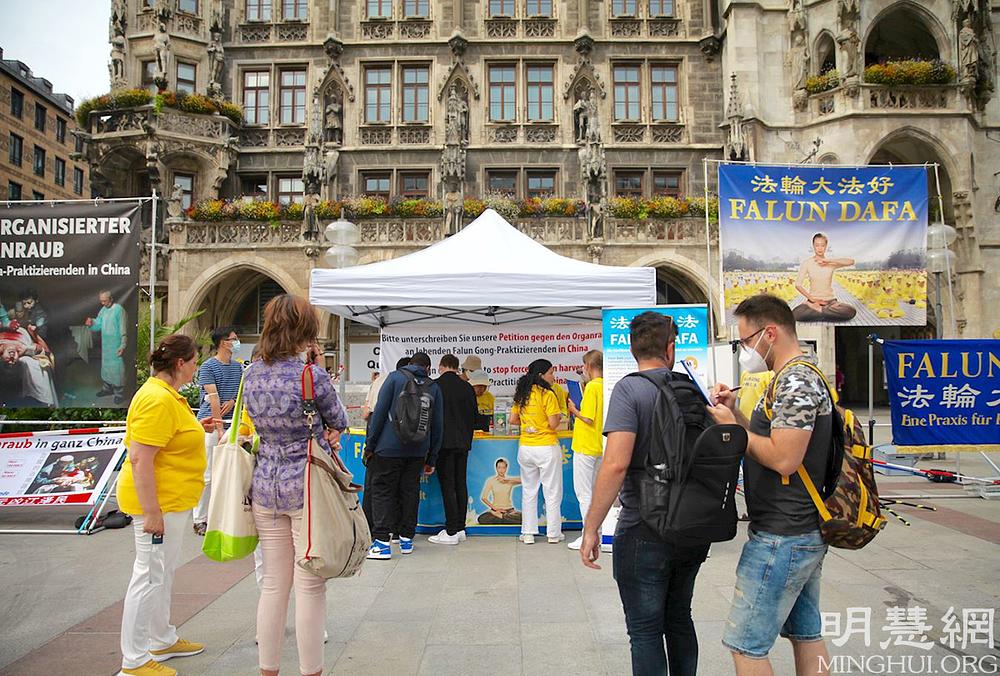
(336, 536)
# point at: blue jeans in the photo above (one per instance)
(777, 592)
(656, 583)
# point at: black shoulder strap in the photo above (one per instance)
(674, 446)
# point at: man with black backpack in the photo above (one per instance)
(657, 549)
(792, 427)
(405, 432)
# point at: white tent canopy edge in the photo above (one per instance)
(489, 273)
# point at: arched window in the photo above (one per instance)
(826, 54)
(901, 34)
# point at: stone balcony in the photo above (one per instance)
(144, 120)
(878, 99)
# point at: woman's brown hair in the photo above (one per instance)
(164, 358)
(289, 325)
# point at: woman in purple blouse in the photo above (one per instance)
(272, 394)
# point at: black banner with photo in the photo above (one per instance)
(69, 299)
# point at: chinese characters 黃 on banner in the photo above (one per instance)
(68, 303)
(841, 245)
(944, 393)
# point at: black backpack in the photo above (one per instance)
(688, 485)
(411, 416)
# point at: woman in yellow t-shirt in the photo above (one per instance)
(588, 446)
(537, 411)
(160, 483)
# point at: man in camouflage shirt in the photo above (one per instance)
(778, 577)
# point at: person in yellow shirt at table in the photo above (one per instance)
(480, 382)
(562, 396)
(160, 483)
(588, 440)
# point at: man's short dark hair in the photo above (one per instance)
(403, 361)
(449, 361)
(651, 333)
(220, 334)
(420, 359)
(764, 309)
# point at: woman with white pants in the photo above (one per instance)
(536, 409)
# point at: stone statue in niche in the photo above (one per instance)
(175, 202)
(117, 65)
(797, 22)
(962, 8)
(848, 12)
(161, 49)
(456, 124)
(117, 23)
(850, 45)
(800, 61)
(333, 126)
(581, 119)
(587, 116)
(968, 53)
(216, 60)
(453, 211)
(313, 169)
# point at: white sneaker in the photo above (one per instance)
(528, 538)
(443, 538)
(556, 539)
(575, 544)
(461, 535)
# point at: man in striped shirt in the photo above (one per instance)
(219, 378)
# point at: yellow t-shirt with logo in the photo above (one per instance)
(160, 417)
(562, 396)
(752, 388)
(542, 403)
(587, 438)
(486, 402)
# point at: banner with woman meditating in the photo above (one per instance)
(843, 245)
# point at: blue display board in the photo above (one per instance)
(484, 468)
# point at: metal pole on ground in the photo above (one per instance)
(708, 267)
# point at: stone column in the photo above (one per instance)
(969, 270)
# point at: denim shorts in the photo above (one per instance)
(777, 592)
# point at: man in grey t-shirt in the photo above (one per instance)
(655, 579)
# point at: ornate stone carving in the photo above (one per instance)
(175, 202)
(145, 22)
(583, 77)
(501, 28)
(376, 136)
(587, 118)
(333, 117)
(116, 68)
(539, 28)
(629, 133)
(254, 138)
(850, 47)
(414, 30)
(289, 138)
(540, 134)
(192, 125)
(668, 133)
(848, 12)
(216, 61)
(335, 75)
(414, 135)
(186, 23)
(968, 54)
(595, 251)
(738, 145)
(800, 61)
(826, 104)
(377, 30)
(909, 98)
(293, 32)
(164, 58)
(252, 33)
(244, 233)
(503, 134)
(456, 120)
(121, 121)
(626, 28)
(453, 211)
(664, 28)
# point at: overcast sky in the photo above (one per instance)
(64, 41)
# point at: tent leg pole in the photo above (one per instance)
(342, 356)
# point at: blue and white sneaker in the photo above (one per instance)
(380, 550)
(405, 545)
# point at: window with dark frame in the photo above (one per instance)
(296, 10)
(416, 9)
(258, 10)
(188, 6)
(414, 184)
(667, 183)
(186, 182)
(661, 8)
(626, 82)
(539, 8)
(253, 186)
(78, 180)
(40, 113)
(37, 196)
(503, 89)
(148, 73)
(60, 130)
(186, 78)
(624, 8)
(291, 190)
(663, 93)
(256, 97)
(376, 183)
(416, 93)
(13, 191)
(60, 171)
(379, 9)
(15, 149)
(501, 9)
(16, 103)
(540, 183)
(293, 97)
(628, 183)
(378, 94)
(540, 93)
(39, 162)
(502, 181)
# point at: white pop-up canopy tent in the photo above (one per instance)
(489, 273)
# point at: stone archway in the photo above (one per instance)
(906, 30)
(689, 280)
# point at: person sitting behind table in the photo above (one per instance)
(480, 382)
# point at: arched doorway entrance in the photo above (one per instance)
(674, 287)
(238, 300)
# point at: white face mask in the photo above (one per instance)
(750, 359)
(236, 346)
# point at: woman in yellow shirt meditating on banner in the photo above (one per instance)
(160, 483)
(537, 411)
